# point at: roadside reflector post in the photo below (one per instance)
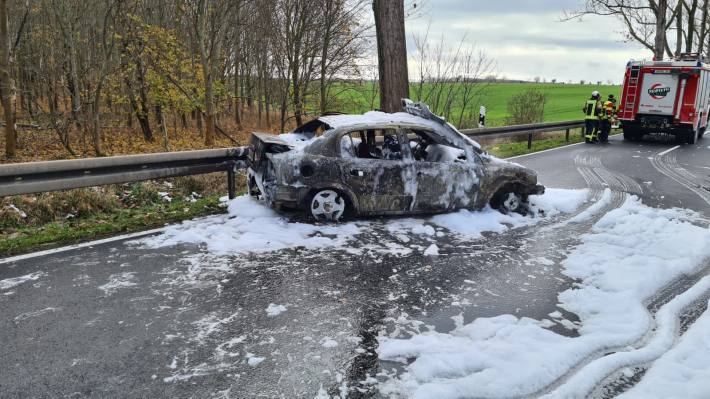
(231, 186)
(567, 135)
(530, 140)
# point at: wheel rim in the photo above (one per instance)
(511, 203)
(327, 205)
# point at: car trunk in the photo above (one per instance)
(262, 144)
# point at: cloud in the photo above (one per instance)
(528, 38)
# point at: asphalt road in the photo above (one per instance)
(119, 320)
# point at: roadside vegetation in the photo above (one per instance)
(516, 148)
(47, 220)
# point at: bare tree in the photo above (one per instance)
(209, 25)
(145, 60)
(646, 21)
(450, 78)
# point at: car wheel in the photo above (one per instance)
(511, 203)
(328, 206)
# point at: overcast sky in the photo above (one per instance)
(528, 39)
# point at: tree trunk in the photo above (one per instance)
(96, 125)
(160, 117)
(198, 120)
(237, 102)
(129, 119)
(209, 106)
(141, 111)
(660, 41)
(703, 28)
(679, 29)
(691, 27)
(260, 96)
(6, 85)
(391, 53)
(73, 82)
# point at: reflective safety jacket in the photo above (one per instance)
(608, 110)
(592, 109)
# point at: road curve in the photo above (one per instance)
(117, 320)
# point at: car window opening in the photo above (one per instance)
(372, 144)
(426, 149)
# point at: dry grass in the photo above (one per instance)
(34, 210)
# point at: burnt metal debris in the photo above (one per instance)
(410, 162)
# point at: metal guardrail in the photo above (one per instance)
(521, 130)
(37, 177)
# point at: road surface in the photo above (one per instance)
(120, 320)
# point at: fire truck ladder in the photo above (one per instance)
(632, 89)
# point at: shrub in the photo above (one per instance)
(526, 107)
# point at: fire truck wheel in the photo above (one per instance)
(632, 134)
(691, 137)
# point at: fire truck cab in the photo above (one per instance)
(671, 97)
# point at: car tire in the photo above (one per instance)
(508, 201)
(328, 206)
(511, 203)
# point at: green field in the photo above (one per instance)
(564, 101)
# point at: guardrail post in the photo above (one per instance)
(567, 135)
(231, 184)
(529, 140)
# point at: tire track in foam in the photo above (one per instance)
(666, 163)
(663, 339)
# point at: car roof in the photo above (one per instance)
(398, 118)
(376, 118)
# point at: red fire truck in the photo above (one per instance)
(671, 97)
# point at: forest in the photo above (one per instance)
(81, 69)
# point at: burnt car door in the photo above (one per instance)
(372, 167)
(445, 178)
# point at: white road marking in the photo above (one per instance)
(540, 152)
(80, 245)
(660, 154)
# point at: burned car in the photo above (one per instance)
(410, 162)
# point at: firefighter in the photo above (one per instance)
(592, 110)
(606, 118)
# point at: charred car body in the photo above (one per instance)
(383, 164)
